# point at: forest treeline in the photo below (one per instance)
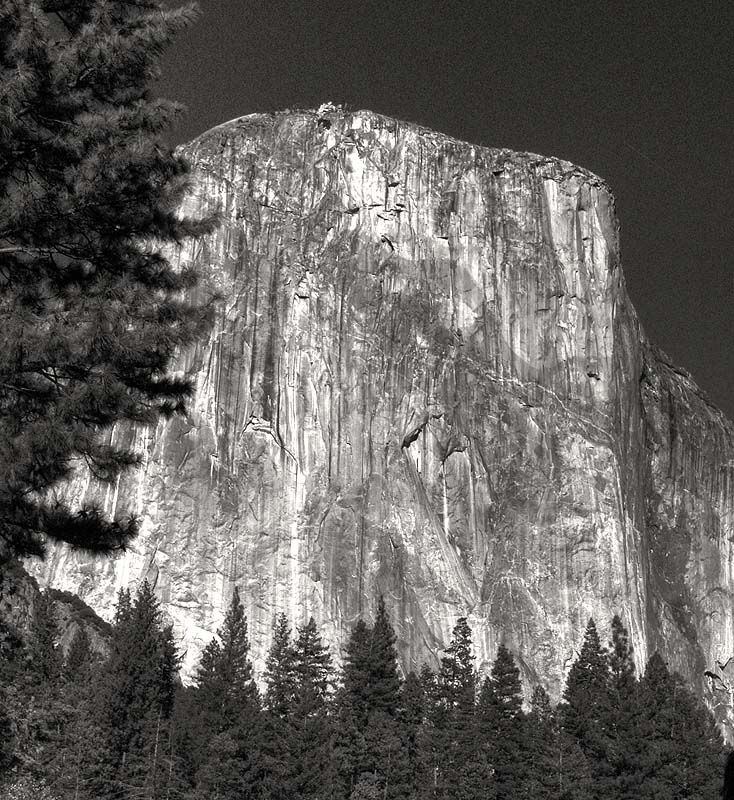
(76, 727)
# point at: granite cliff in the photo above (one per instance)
(425, 380)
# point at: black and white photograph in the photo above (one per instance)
(366, 400)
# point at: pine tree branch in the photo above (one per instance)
(92, 308)
(22, 249)
(22, 389)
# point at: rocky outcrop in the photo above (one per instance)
(19, 595)
(425, 380)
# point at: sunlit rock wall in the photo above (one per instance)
(425, 380)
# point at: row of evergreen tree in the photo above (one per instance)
(125, 728)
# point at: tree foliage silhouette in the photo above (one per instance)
(585, 708)
(279, 671)
(229, 710)
(91, 310)
(124, 729)
(134, 700)
(502, 724)
(682, 747)
(460, 767)
(370, 750)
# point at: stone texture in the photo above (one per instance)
(19, 594)
(425, 380)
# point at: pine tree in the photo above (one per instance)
(356, 680)
(227, 773)
(659, 720)
(383, 741)
(37, 703)
(233, 762)
(385, 680)
(387, 756)
(45, 657)
(623, 734)
(279, 671)
(367, 729)
(280, 740)
(188, 738)
(312, 745)
(411, 713)
(556, 767)
(541, 777)
(77, 688)
(12, 665)
(461, 769)
(91, 311)
(585, 708)
(225, 678)
(682, 747)
(79, 657)
(432, 735)
(502, 724)
(311, 671)
(351, 711)
(133, 703)
(621, 665)
(577, 773)
(457, 677)
(123, 608)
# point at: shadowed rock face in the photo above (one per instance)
(425, 380)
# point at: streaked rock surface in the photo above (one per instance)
(426, 380)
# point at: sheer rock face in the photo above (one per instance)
(425, 380)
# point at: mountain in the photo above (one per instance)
(425, 380)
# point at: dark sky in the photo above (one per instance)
(641, 93)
